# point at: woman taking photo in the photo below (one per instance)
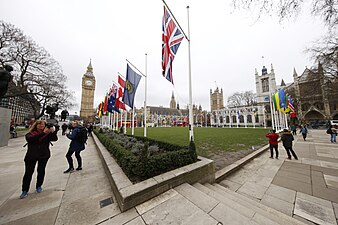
(38, 139)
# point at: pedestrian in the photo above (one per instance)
(90, 129)
(294, 129)
(333, 133)
(303, 131)
(287, 139)
(76, 146)
(273, 142)
(38, 139)
(64, 128)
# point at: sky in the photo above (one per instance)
(227, 45)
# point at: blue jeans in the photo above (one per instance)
(333, 137)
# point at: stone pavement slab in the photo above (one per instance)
(314, 209)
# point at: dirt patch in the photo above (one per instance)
(223, 159)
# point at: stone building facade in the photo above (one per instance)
(216, 99)
(315, 95)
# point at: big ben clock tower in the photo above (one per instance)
(88, 88)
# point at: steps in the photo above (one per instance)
(229, 207)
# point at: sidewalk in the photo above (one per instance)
(306, 189)
(66, 198)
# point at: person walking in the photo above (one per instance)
(333, 133)
(64, 128)
(76, 145)
(273, 142)
(38, 139)
(304, 131)
(287, 139)
(294, 129)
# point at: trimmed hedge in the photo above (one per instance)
(141, 167)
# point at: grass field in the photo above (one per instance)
(208, 140)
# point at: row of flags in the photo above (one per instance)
(283, 103)
(121, 94)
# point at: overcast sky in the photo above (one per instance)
(226, 45)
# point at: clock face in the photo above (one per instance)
(88, 82)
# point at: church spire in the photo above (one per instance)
(89, 72)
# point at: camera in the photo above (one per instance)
(50, 125)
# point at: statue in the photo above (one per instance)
(64, 115)
(5, 78)
(52, 110)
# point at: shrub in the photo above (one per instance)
(142, 158)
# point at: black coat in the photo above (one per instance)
(38, 145)
(287, 139)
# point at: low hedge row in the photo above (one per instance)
(142, 167)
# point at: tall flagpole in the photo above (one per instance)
(132, 123)
(191, 124)
(145, 102)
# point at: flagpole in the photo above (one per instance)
(191, 125)
(125, 122)
(145, 101)
(132, 123)
(186, 37)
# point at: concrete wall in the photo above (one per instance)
(5, 120)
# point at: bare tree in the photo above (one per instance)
(36, 73)
(246, 98)
(325, 50)
(325, 9)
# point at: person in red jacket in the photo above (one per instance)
(273, 141)
(38, 139)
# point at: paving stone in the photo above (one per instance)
(282, 193)
(121, 218)
(303, 220)
(296, 170)
(335, 208)
(240, 177)
(230, 184)
(331, 180)
(313, 199)
(328, 171)
(293, 184)
(261, 180)
(146, 206)
(318, 180)
(227, 215)
(278, 204)
(312, 162)
(314, 212)
(200, 199)
(253, 189)
(325, 193)
(331, 165)
(178, 210)
(46, 217)
(137, 221)
(295, 176)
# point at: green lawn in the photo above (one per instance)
(208, 140)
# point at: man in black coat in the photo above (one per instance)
(287, 139)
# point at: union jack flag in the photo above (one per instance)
(112, 91)
(171, 40)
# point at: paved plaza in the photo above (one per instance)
(264, 191)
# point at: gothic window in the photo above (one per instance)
(227, 119)
(234, 119)
(249, 119)
(319, 105)
(305, 107)
(265, 85)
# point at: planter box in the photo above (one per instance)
(129, 195)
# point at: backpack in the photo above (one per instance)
(82, 135)
(329, 131)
